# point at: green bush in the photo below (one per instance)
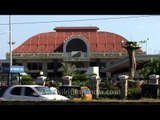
(79, 83)
(27, 80)
(107, 85)
(134, 93)
(107, 90)
(131, 84)
(55, 83)
(76, 82)
(80, 76)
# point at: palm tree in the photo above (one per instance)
(131, 47)
(68, 71)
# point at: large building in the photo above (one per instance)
(82, 46)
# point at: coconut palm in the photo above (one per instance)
(131, 47)
(68, 69)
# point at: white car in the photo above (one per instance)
(31, 92)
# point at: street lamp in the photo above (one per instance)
(146, 44)
(122, 42)
(10, 40)
(10, 50)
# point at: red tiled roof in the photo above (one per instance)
(53, 41)
(76, 28)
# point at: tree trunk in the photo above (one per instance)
(132, 63)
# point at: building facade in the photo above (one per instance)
(82, 46)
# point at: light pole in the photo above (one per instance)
(10, 41)
(122, 43)
(146, 44)
(10, 51)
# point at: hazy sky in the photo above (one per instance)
(132, 27)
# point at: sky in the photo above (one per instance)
(132, 27)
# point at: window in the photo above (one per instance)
(76, 44)
(50, 66)
(34, 66)
(16, 91)
(29, 92)
(44, 90)
(76, 53)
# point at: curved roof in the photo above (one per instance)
(53, 41)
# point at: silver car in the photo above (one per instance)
(31, 92)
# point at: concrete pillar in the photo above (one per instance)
(95, 80)
(108, 74)
(25, 66)
(44, 67)
(67, 80)
(124, 85)
(154, 79)
(86, 64)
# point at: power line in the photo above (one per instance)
(95, 19)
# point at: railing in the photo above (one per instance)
(35, 55)
(77, 59)
(68, 57)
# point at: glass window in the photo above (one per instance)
(16, 91)
(72, 45)
(50, 66)
(34, 66)
(29, 92)
(44, 90)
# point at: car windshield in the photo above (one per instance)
(44, 91)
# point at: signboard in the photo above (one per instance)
(13, 69)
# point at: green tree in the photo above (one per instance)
(152, 67)
(131, 47)
(27, 80)
(80, 75)
(68, 69)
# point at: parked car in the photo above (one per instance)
(31, 92)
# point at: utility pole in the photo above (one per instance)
(10, 50)
(10, 39)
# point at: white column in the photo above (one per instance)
(124, 85)
(67, 80)
(95, 80)
(154, 79)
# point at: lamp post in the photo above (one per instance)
(10, 50)
(10, 41)
(146, 44)
(122, 42)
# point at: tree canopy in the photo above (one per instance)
(152, 67)
(68, 69)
